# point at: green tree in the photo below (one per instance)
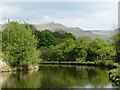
(61, 35)
(116, 38)
(45, 38)
(77, 53)
(59, 52)
(98, 48)
(68, 50)
(19, 45)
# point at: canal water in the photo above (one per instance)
(57, 77)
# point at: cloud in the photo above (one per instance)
(88, 16)
(82, 23)
(60, 0)
(46, 17)
(99, 19)
(6, 10)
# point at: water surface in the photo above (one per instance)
(57, 77)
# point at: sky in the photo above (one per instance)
(85, 15)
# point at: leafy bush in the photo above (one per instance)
(114, 76)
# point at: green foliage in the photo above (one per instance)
(116, 39)
(51, 54)
(58, 52)
(108, 64)
(69, 50)
(77, 52)
(45, 38)
(19, 45)
(72, 50)
(114, 76)
(63, 35)
(98, 48)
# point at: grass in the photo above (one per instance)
(99, 63)
(108, 64)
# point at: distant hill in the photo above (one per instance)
(76, 31)
(103, 32)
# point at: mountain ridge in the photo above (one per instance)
(78, 32)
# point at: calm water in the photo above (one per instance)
(57, 77)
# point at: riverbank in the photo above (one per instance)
(4, 67)
(99, 63)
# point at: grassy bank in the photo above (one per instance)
(99, 63)
(96, 63)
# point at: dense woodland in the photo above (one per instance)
(24, 45)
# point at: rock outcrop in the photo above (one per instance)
(3, 66)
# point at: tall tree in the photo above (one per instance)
(19, 45)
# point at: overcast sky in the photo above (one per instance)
(86, 15)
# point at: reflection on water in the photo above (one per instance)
(58, 77)
(3, 78)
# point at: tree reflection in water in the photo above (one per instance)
(59, 77)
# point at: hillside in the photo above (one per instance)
(103, 32)
(76, 31)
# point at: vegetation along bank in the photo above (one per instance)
(25, 47)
